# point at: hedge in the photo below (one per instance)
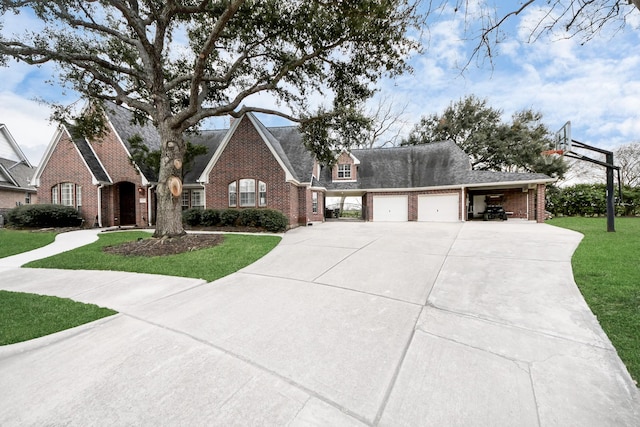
(45, 215)
(268, 219)
(590, 200)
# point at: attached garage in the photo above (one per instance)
(439, 207)
(390, 208)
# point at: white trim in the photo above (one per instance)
(16, 148)
(288, 175)
(6, 174)
(57, 136)
(514, 184)
(35, 181)
(204, 177)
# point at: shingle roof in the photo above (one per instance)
(17, 172)
(418, 166)
(90, 158)
(297, 155)
(488, 177)
(122, 120)
(210, 139)
(278, 145)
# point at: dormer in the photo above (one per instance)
(345, 168)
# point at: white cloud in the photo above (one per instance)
(28, 123)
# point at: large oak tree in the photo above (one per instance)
(179, 62)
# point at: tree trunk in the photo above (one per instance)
(169, 189)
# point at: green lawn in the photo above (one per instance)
(27, 316)
(17, 241)
(236, 252)
(606, 267)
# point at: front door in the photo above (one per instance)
(127, 203)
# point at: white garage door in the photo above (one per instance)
(390, 208)
(438, 207)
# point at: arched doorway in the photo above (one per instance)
(126, 213)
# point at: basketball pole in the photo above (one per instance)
(611, 213)
(608, 164)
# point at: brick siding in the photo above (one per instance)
(9, 199)
(345, 159)
(66, 165)
(247, 156)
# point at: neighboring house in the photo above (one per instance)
(15, 174)
(252, 166)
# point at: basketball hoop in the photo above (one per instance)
(551, 152)
(547, 155)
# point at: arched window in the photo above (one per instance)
(67, 194)
(244, 192)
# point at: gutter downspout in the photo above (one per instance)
(465, 205)
(99, 216)
(149, 188)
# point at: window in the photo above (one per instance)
(27, 198)
(314, 202)
(78, 196)
(244, 191)
(185, 200)
(262, 197)
(344, 171)
(233, 196)
(197, 199)
(54, 195)
(66, 194)
(247, 192)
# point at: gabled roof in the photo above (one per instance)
(9, 148)
(210, 139)
(440, 164)
(91, 160)
(16, 175)
(15, 169)
(122, 120)
(300, 159)
(283, 148)
(86, 152)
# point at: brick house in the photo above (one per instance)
(15, 174)
(252, 166)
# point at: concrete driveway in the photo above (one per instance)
(343, 324)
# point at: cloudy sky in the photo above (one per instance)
(595, 85)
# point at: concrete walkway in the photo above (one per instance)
(404, 324)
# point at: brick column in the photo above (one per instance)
(541, 205)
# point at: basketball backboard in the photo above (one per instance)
(563, 138)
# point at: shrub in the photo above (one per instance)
(44, 216)
(229, 217)
(249, 218)
(273, 221)
(192, 216)
(210, 217)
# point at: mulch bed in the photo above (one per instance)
(166, 246)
